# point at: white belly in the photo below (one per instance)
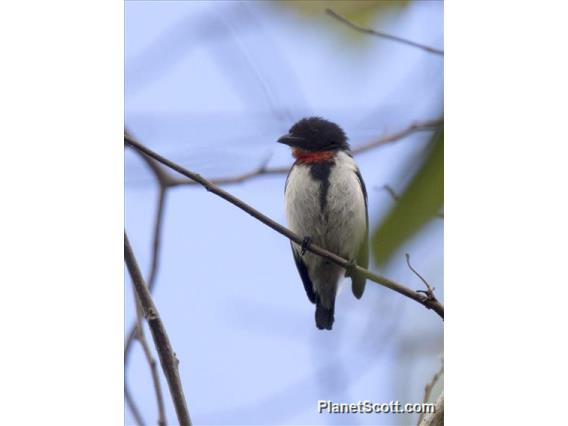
(341, 226)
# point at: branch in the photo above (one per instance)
(418, 126)
(430, 289)
(167, 356)
(151, 362)
(161, 175)
(156, 240)
(437, 417)
(383, 35)
(133, 408)
(262, 170)
(391, 192)
(349, 266)
(428, 390)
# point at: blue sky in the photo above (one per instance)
(213, 94)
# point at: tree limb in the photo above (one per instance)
(167, 356)
(262, 170)
(428, 390)
(162, 177)
(437, 417)
(133, 407)
(349, 266)
(383, 35)
(150, 360)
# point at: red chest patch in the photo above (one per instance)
(312, 157)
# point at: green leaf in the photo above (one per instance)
(363, 13)
(421, 202)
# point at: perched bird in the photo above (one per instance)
(326, 203)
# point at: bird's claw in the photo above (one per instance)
(305, 244)
(351, 268)
(428, 293)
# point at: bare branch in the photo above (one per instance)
(349, 266)
(437, 417)
(430, 289)
(153, 271)
(155, 257)
(167, 356)
(162, 176)
(262, 170)
(151, 362)
(133, 407)
(418, 126)
(383, 35)
(428, 389)
(391, 192)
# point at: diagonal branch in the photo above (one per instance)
(349, 266)
(262, 170)
(428, 390)
(151, 362)
(166, 353)
(417, 126)
(436, 418)
(155, 262)
(382, 34)
(163, 177)
(133, 407)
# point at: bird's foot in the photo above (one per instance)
(351, 268)
(305, 244)
(428, 293)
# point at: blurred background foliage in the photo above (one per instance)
(421, 202)
(363, 12)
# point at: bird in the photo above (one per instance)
(326, 204)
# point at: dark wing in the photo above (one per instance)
(303, 270)
(358, 281)
(288, 176)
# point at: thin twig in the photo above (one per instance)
(163, 177)
(428, 389)
(166, 353)
(393, 194)
(133, 407)
(382, 34)
(262, 170)
(155, 262)
(151, 362)
(430, 289)
(429, 292)
(417, 126)
(349, 266)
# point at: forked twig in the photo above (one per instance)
(382, 34)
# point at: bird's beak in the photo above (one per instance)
(292, 141)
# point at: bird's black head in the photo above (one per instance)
(316, 134)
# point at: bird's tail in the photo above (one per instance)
(324, 316)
